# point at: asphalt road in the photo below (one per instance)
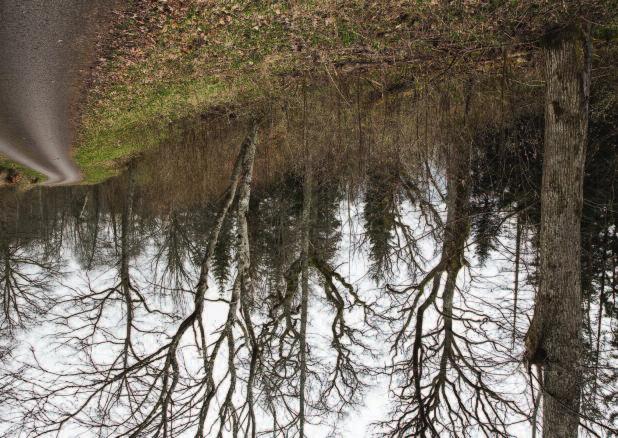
(45, 48)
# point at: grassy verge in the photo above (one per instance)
(140, 118)
(165, 60)
(174, 59)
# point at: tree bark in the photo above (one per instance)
(554, 339)
(305, 247)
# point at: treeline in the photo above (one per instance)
(218, 293)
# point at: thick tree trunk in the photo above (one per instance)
(554, 340)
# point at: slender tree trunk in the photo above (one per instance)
(246, 288)
(304, 300)
(125, 278)
(554, 339)
(597, 350)
(516, 289)
(7, 299)
(97, 216)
